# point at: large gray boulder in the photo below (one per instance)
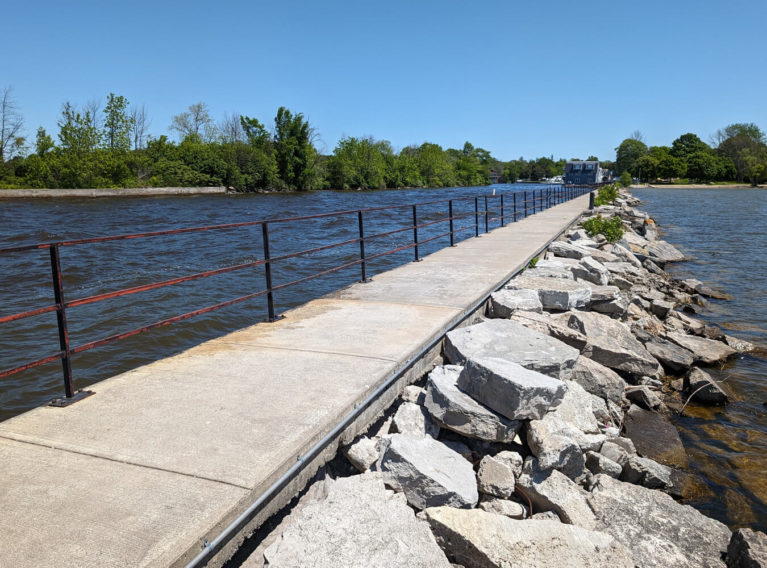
(554, 293)
(429, 473)
(512, 341)
(510, 389)
(550, 490)
(487, 540)
(612, 344)
(658, 530)
(661, 252)
(591, 270)
(547, 324)
(673, 357)
(598, 380)
(505, 302)
(453, 409)
(706, 351)
(358, 523)
(747, 549)
(568, 250)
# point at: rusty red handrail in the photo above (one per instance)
(537, 201)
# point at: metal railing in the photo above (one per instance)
(506, 208)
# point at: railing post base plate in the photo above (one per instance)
(276, 318)
(64, 401)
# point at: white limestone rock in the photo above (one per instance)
(511, 341)
(481, 539)
(429, 473)
(359, 523)
(453, 409)
(510, 389)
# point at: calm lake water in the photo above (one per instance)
(725, 231)
(25, 278)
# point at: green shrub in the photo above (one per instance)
(626, 179)
(611, 228)
(606, 194)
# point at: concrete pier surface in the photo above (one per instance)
(165, 456)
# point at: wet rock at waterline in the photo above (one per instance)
(510, 389)
(701, 387)
(671, 355)
(646, 472)
(747, 549)
(453, 409)
(654, 437)
(643, 396)
(658, 530)
(706, 351)
(358, 523)
(513, 342)
(429, 473)
(481, 539)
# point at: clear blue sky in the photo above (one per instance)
(517, 78)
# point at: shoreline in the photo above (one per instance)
(117, 192)
(696, 186)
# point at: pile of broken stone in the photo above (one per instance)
(543, 440)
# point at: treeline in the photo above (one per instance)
(737, 152)
(111, 147)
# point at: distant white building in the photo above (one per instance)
(583, 172)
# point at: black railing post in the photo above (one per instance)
(362, 246)
(502, 211)
(486, 213)
(476, 216)
(591, 200)
(61, 318)
(415, 234)
(514, 195)
(525, 208)
(533, 202)
(268, 272)
(450, 214)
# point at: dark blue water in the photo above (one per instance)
(725, 231)
(25, 278)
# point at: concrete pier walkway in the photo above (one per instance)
(163, 457)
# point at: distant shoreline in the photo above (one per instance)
(697, 186)
(119, 192)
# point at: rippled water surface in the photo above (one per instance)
(25, 278)
(725, 231)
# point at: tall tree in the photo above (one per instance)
(688, 144)
(43, 142)
(77, 132)
(627, 154)
(294, 150)
(117, 124)
(195, 121)
(744, 144)
(139, 125)
(11, 125)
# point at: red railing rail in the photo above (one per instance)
(511, 208)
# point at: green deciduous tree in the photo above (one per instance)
(626, 155)
(359, 163)
(294, 151)
(195, 121)
(744, 144)
(117, 124)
